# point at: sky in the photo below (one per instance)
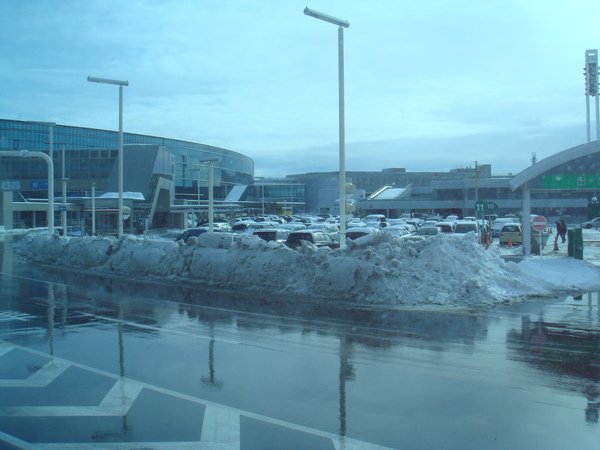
(429, 86)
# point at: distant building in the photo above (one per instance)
(561, 185)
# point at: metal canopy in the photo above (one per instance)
(553, 161)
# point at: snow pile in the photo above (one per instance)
(377, 268)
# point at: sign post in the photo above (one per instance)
(539, 223)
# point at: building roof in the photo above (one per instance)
(553, 161)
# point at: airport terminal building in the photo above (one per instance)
(163, 177)
(166, 181)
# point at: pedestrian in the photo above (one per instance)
(558, 228)
(563, 230)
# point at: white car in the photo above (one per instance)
(594, 223)
(358, 232)
(398, 230)
(466, 226)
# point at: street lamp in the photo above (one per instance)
(63, 209)
(210, 162)
(262, 193)
(591, 88)
(342, 138)
(120, 156)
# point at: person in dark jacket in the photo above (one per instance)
(558, 228)
(563, 230)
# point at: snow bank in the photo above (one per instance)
(377, 268)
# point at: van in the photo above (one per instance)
(511, 233)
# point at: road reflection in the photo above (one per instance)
(570, 349)
(327, 366)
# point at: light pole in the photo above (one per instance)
(591, 89)
(342, 137)
(120, 156)
(93, 208)
(210, 162)
(63, 209)
(262, 190)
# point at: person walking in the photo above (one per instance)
(563, 230)
(558, 228)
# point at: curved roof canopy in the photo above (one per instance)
(553, 161)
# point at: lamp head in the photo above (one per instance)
(326, 17)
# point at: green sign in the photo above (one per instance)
(581, 181)
(484, 205)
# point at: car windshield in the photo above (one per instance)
(465, 228)
(428, 230)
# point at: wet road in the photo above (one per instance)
(107, 361)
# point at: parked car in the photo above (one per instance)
(498, 224)
(325, 227)
(466, 226)
(511, 233)
(594, 223)
(357, 232)
(356, 223)
(399, 230)
(191, 232)
(446, 227)
(318, 238)
(272, 234)
(427, 232)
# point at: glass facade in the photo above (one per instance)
(90, 153)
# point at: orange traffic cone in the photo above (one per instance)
(509, 243)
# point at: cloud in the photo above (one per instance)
(261, 78)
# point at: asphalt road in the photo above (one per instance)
(89, 360)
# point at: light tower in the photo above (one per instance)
(591, 88)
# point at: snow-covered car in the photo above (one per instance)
(357, 232)
(356, 223)
(594, 223)
(325, 227)
(498, 224)
(446, 227)
(399, 230)
(272, 234)
(318, 238)
(427, 232)
(191, 232)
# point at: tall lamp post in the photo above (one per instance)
(342, 138)
(63, 209)
(262, 197)
(120, 156)
(210, 162)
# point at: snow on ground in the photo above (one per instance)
(375, 269)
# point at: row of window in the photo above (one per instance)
(19, 135)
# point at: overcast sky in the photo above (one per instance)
(430, 85)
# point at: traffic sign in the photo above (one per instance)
(484, 205)
(539, 223)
